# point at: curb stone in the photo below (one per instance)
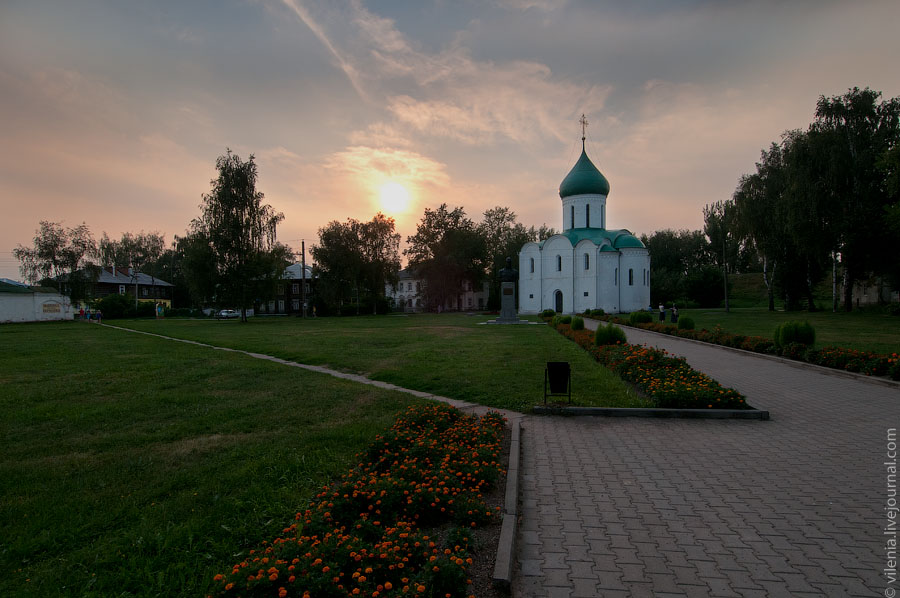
(506, 548)
(655, 412)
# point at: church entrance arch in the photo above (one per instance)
(557, 297)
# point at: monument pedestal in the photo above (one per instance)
(508, 303)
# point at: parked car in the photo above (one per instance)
(227, 314)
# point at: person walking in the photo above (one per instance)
(99, 316)
(674, 314)
(662, 312)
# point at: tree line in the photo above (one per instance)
(228, 256)
(354, 261)
(826, 198)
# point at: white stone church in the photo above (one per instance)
(587, 266)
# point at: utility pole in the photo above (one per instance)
(724, 254)
(303, 275)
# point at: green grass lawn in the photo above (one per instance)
(448, 354)
(138, 466)
(862, 330)
(133, 465)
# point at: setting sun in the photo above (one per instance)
(394, 197)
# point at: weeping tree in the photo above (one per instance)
(60, 256)
(857, 131)
(236, 231)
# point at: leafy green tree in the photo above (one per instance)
(718, 226)
(63, 256)
(503, 237)
(361, 256)
(139, 253)
(674, 255)
(859, 130)
(237, 231)
(446, 251)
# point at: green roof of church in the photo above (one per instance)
(617, 239)
(584, 178)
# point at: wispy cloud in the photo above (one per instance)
(449, 94)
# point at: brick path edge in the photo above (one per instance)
(757, 414)
(506, 548)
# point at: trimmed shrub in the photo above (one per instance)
(554, 321)
(685, 323)
(639, 317)
(116, 306)
(609, 335)
(565, 319)
(794, 332)
(548, 313)
(577, 323)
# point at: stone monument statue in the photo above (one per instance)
(508, 278)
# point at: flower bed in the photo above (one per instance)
(668, 380)
(865, 362)
(396, 525)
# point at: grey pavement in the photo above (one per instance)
(794, 506)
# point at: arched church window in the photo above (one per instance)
(587, 216)
(532, 265)
(630, 277)
(559, 263)
(572, 213)
(616, 277)
(587, 261)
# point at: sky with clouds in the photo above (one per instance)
(113, 113)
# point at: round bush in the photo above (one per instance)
(548, 313)
(685, 323)
(577, 323)
(794, 332)
(640, 317)
(565, 319)
(609, 335)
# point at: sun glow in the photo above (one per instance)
(394, 198)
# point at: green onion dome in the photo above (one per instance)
(584, 178)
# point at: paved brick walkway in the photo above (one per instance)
(794, 506)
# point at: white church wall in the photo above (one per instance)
(530, 279)
(634, 293)
(556, 267)
(607, 287)
(585, 277)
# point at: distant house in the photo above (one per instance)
(409, 294)
(22, 303)
(122, 281)
(874, 290)
(126, 281)
(290, 292)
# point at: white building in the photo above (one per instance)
(409, 295)
(22, 303)
(587, 266)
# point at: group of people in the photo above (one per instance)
(662, 313)
(85, 315)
